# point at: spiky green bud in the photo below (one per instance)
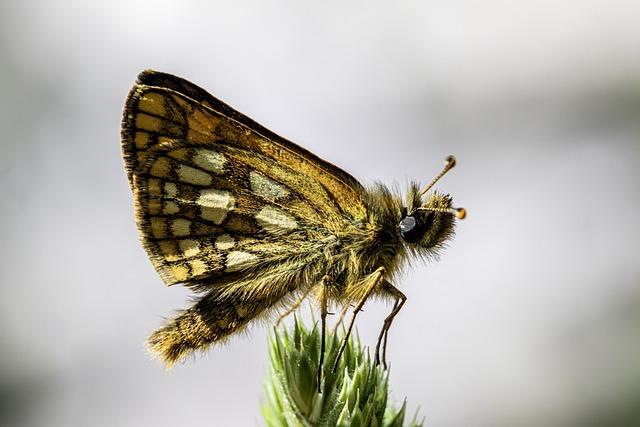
(355, 395)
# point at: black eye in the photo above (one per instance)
(413, 227)
(410, 229)
(407, 224)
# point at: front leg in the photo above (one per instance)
(384, 333)
(374, 280)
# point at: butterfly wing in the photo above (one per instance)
(217, 195)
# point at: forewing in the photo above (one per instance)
(164, 105)
(216, 194)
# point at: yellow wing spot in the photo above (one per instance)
(214, 215)
(153, 187)
(170, 190)
(215, 204)
(225, 242)
(266, 188)
(212, 198)
(202, 123)
(161, 167)
(198, 267)
(181, 227)
(169, 250)
(158, 227)
(180, 272)
(165, 140)
(193, 176)
(237, 260)
(182, 103)
(170, 208)
(273, 219)
(149, 123)
(154, 206)
(153, 103)
(210, 160)
(141, 140)
(182, 154)
(189, 248)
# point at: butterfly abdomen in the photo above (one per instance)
(212, 319)
(180, 336)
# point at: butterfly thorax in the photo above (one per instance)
(378, 242)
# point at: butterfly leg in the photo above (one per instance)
(376, 279)
(325, 282)
(384, 333)
(295, 305)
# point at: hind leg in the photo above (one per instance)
(384, 333)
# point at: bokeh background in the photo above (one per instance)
(531, 317)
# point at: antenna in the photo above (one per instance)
(460, 213)
(450, 162)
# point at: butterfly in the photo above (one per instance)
(253, 223)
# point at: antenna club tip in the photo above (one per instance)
(450, 161)
(461, 213)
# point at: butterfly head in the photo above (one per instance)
(426, 225)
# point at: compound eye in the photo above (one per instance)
(407, 224)
(410, 229)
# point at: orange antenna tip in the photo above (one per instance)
(461, 213)
(450, 161)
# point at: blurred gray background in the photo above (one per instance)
(532, 316)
